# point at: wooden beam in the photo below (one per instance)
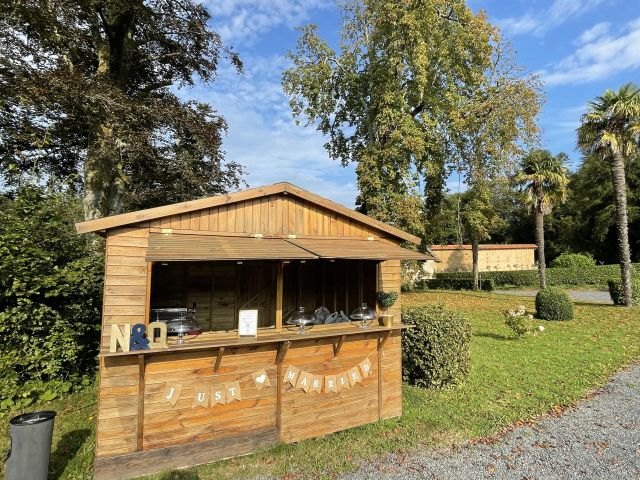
(383, 339)
(282, 351)
(216, 366)
(186, 455)
(140, 428)
(279, 294)
(147, 308)
(338, 345)
(380, 397)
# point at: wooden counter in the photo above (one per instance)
(140, 433)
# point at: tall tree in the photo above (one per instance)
(494, 121)
(384, 100)
(544, 177)
(610, 129)
(87, 92)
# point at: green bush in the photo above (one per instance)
(573, 260)
(553, 304)
(517, 321)
(596, 275)
(436, 350)
(386, 299)
(454, 284)
(617, 292)
(50, 298)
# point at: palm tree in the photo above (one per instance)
(610, 130)
(544, 178)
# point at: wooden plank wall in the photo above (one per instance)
(308, 415)
(125, 301)
(390, 279)
(164, 425)
(275, 215)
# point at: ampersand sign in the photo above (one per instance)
(139, 340)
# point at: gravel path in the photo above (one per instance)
(596, 296)
(599, 439)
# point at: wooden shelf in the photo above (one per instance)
(205, 342)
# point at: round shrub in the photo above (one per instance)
(616, 292)
(573, 260)
(436, 350)
(553, 304)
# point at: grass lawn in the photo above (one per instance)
(510, 381)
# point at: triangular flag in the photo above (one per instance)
(291, 375)
(261, 379)
(172, 393)
(304, 381)
(330, 384)
(354, 376)
(200, 397)
(365, 367)
(316, 383)
(218, 395)
(233, 391)
(342, 379)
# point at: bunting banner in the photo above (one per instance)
(207, 395)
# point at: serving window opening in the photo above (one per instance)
(212, 293)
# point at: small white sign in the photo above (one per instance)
(248, 323)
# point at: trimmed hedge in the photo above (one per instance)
(597, 275)
(617, 292)
(573, 260)
(436, 351)
(454, 284)
(553, 304)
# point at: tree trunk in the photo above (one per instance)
(103, 177)
(620, 192)
(475, 247)
(540, 243)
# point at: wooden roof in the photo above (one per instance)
(357, 249)
(101, 225)
(176, 247)
(188, 247)
(506, 246)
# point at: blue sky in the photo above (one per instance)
(579, 47)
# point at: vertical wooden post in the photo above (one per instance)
(279, 294)
(141, 381)
(360, 283)
(147, 308)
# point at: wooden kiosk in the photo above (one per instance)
(269, 250)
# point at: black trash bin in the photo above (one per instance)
(31, 435)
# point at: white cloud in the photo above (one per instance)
(602, 57)
(243, 21)
(597, 31)
(263, 136)
(542, 20)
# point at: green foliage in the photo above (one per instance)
(573, 260)
(88, 93)
(616, 291)
(553, 304)
(597, 275)
(517, 321)
(388, 98)
(436, 350)
(544, 178)
(486, 284)
(50, 297)
(386, 299)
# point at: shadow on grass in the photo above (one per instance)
(67, 447)
(495, 336)
(179, 475)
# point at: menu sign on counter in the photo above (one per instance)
(248, 323)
